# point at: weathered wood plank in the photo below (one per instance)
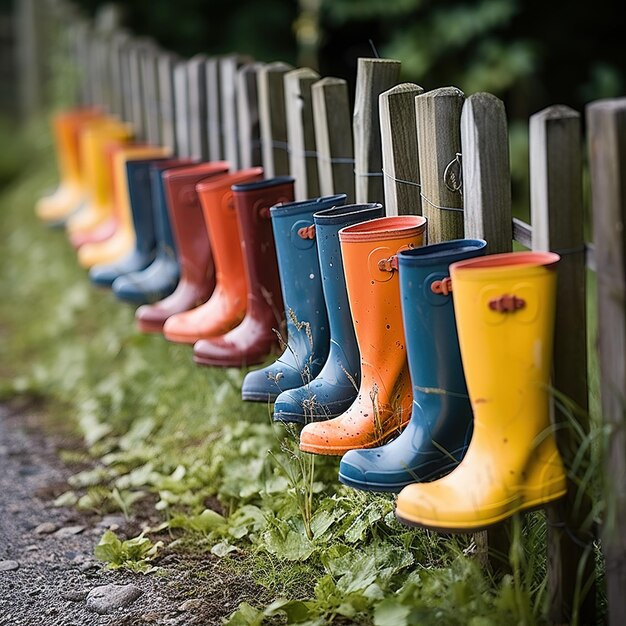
(118, 40)
(300, 131)
(557, 218)
(229, 64)
(606, 124)
(372, 78)
(486, 172)
(167, 105)
(273, 118)
(150, 83)
(438, 115)
(333, 137)
(198, 117)
(214, 110)
(248, 115)
(181, 104)
(399, 148)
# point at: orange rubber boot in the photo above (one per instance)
(226, 307)
(56, 207)
(504, 306)
(384, 402)
(97, 207)
(123, 240)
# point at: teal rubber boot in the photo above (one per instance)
(436, 438)
(308, 335)
(334, 389)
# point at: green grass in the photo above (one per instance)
(164, 433)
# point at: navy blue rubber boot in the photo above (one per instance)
(140, 194)
(308, 335)
(436, 438)
(334, 389)
(158, 279)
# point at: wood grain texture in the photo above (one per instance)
(149, 80)
(557, 219)
(606, 124)
(300, 131)
(486, 172)
(198, 116)
(273, 118)
(438, 115)
(333, 137)
(399, 149)
(181, 100)
(372, 78)
(214, 110)
(248, 115)
(167, 106)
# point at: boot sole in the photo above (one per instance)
(225, 363)
(181, 339)
(150, 327)
(531, 505)
(251, 396)
(336, 451)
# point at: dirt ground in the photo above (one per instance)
(47, 568)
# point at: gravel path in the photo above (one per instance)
(48, 576)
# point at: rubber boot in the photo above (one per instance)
(123, 240)
(226, 307)
(143, 252)
(335, 388)
(436, 437)
(308, 335)
(253, 340)
(197, 271)
(161, 277)
(383, 404)
(504, 306)
(54, 208)
(99, 174)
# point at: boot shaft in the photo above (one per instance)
(252, 204)
(428, 318)
(218, 206)
(369, 252)
(505, 306)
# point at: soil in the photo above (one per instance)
(56, 568)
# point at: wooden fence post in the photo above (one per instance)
(151, 104)
(558, 224)
(198, 116)
(398, 133)
(248, 115)
(214, 110)
(372, 78)
(273, 118)
(486, 186)
(606, 124)
(333, 137)
(229, 64)
(167, 105)
(438, 115)
(181, 105)
(118, 41)
(300, 132)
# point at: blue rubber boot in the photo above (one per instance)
(436, 437)
(301, 284)
(158, 279)
(334, 389)
(140, 194)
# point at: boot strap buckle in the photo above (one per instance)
(388, 265)
(506, 303)
(442, 287)
(307, 232)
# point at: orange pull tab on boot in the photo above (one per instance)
(307, 232)
(506, 303)
(442, 287)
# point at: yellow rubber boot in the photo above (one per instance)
(122, 241)
(504, 306)
(384, 400)
(93, 140)
(56, 207)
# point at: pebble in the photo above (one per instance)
(74, 595)
(45, 528)
(7, 566)
(68, 531)
(112, 522)
(109, 598)
(190, 605)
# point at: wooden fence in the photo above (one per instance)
(443, 154)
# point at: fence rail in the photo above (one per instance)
(439, 153)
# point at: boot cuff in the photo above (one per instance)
(306, 206)
(267, 183)
(348, 214)
(390, 227)
(446, 252)
(228, 179)
(506, 264)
